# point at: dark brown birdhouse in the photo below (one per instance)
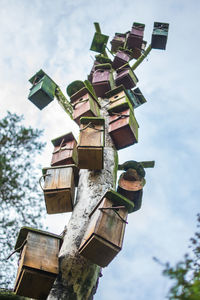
(135, 37)
(65, 151)
(104, 236)
(102, 80)
(59, 188)
(159, 36)
(84, 104)
(91, 143)
(125, 76)
(118, 41)
(121, 58)
(119, 99)
(38, 264)
(123, 128)
(130, 185)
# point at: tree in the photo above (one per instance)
(19, 194)
(186, 273)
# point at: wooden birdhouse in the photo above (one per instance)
(65, 151)
(38, 264)
(103, 238)
(136, 52)
(59, 188)
(159, 36)
(43, 89)
(84, 104)
(125, 76)
(99, 42)
(135, 37)
(130, 185)
(123, 128)
(136, 97)
(118, 41)
(121, 58)
(119, 99)
(91, 143)
(102, 80)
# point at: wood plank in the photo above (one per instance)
(42, 252)
(90, 158)
(34, 284)
(59, 201)
(91, 137)
(60, 178)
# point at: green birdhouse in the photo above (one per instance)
(43, 89)
(136, 97)
(99, 42)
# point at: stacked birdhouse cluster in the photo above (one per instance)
(112, 79)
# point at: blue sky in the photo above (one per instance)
(56, 36)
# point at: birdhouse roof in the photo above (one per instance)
(66, 137)
(24, 232)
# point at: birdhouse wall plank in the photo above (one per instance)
(104, 235)
(59, 189)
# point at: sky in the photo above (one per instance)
(56, 36)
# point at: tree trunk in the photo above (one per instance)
(78, 277)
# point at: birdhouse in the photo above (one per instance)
(130, 185)
(136, 52)
(38, 264)
(99, 42)
(102, 80)
(59, 188)
(99, 59)
(43, 89)
(84, 104)
(121, 58)
(119, 99)
(136, 97)
(104, 236)
(159, 36)
(125, 76)
(65, 151)
(135, 37)
(118, 41)
(123, 128)
(91, 143)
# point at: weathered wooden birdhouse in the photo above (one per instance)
(91, 143)
(125, 76)
(104, 236)
(121, 58)
(136, 52)
(65, 151)
(118, 41)
(119, 99)
(135, 37)
(136, 97)
(43, 89)
(123, 128)
(99, 42)
(130, 185)
(59, 188)
(102, 80)
(38, 264)
(159, 36)
(84, 103)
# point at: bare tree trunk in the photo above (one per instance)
(78, 277)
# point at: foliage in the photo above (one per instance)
(186, 273)
(20, 200)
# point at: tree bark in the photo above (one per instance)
(78, 277)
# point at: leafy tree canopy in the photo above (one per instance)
(20, 199)
(185, 275)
